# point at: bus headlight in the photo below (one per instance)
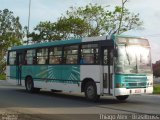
(149, 84)
(118, 85)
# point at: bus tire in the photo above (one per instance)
(29, 85)
(91, 91)
(122, 98)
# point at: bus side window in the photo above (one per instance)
(55, 55)
(71, 54)
(111, 57)
(12, 58)
(30, 56)
(82, 60)
(89, 54)
(105, 57)
(42, 56)
(24, 59)
(88, 59)
(55, 60)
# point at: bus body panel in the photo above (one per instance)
(124, 91)
(92, 72)
(58, 77)
(128, 84)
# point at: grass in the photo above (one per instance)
(2, 76)
(156, 89)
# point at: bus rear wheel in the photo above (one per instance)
(29, 85)
(122, 98)
(91, 91)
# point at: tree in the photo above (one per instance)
(156, 69)
(94, 15)
(64, 28)
(156, 72)
(91, 20)
(72, 27)
(47, 31)
(121, 16)
(10, 33)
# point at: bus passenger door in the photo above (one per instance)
(19, 68)
(107, 70)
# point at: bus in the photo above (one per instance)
(119, 66)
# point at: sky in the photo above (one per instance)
(50, 10)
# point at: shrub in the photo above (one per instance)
(2, 76)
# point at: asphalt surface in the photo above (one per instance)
(15, 102)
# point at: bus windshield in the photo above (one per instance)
(133, 56)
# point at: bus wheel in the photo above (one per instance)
(29, 85)
(122, 98)
(91, 91)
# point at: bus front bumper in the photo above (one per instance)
(124, 91)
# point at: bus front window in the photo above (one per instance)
(133, 58)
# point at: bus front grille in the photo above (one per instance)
(136, 85)
(135, 79)
(136, 82)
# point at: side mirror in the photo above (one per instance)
(115, 53)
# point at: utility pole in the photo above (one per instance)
(28, 21)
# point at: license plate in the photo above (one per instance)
(138, 91)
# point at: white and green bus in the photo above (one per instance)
(119, 66)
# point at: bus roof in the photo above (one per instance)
(71, 41)
(47, 44)
(128, 36)
(134, 33)
(59, 42)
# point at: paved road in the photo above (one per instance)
(48, 105)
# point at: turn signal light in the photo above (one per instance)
(118, 85)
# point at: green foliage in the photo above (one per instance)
(95, 17)
(2, 76)
(118, 9)
(2, 66)
(10, 34)
(156, 71)
(10, 29)
(91, 20)
(156, 89)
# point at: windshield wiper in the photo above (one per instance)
(127, 55)
(136, 64)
